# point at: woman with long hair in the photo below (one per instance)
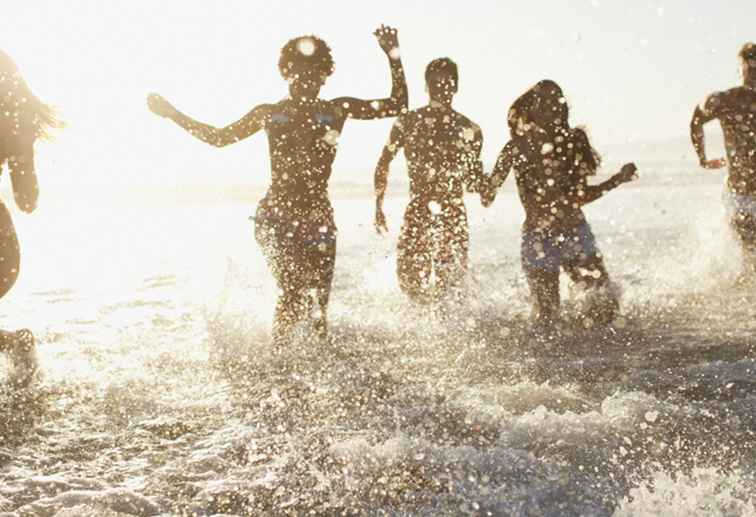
(552, 163)
(24, 119)
(294, 223)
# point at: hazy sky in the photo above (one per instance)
(632, 71)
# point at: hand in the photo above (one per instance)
(713, 164)
(388, 39)
(488, 195)
(159, 106)
(380, 221)
(629, 172)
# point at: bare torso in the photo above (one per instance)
(551, 177)
(442, 149)
(736, 111)
(302, 140)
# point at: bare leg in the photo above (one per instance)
(413, 260)
(10, 257)
(544, 289)
(591, 274)
(18, 345)
(451, 261)
(7, 341)
(292, 306)
(745, 228)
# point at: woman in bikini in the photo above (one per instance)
(294, 223)
(552, 162)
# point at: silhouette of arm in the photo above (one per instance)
(706, 112)
(396, 142)
(24, 179)
(590, 193)
(246, 126)
(586, 162)
(390, 106)
(503, 166)
(475, 179)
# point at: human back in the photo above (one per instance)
(551, 170)
(303, 140)
(440, 146)
(736, 111)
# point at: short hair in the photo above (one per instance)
(748, 52)
(305, 55)
(442, 66)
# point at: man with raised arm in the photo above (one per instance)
(736, 111)
(442, 148)
(294, 223)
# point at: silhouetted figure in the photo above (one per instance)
(24, 119)
(552, 163)
(736, 111)
(442, 148)
(294, 223)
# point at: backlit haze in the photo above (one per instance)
(632, 73)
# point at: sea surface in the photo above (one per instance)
(160, 394)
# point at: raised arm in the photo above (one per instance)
(706, 112)
(246, 126)
(390, 106)
(396, 142)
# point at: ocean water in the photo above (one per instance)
(160, 394)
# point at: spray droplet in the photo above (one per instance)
(306, 46)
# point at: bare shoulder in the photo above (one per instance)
(409, 118)
(468, 129)
(579, 137)
(720, 100)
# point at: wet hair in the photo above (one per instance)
(543, 104)
(589, 160)
(305, 55)
(748, 52)
(31, 119)
(442, 66)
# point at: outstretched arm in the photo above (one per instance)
(246, 126)
(390, 106)
(396, 142)
(708, 111)
(589, 193)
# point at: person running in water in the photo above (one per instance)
(736, 111)
(552, 163)
(442, 148)
(294, 222)
(24, 119)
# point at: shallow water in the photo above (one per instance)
(160, 393)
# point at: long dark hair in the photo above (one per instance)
(544, 104)
(30, 118)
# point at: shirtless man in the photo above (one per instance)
(736, 111)
(294, 223)
(442, 148)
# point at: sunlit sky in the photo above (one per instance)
(631, 72)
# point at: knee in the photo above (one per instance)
(8, 274)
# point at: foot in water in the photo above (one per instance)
(599, 307)
(23, 355)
